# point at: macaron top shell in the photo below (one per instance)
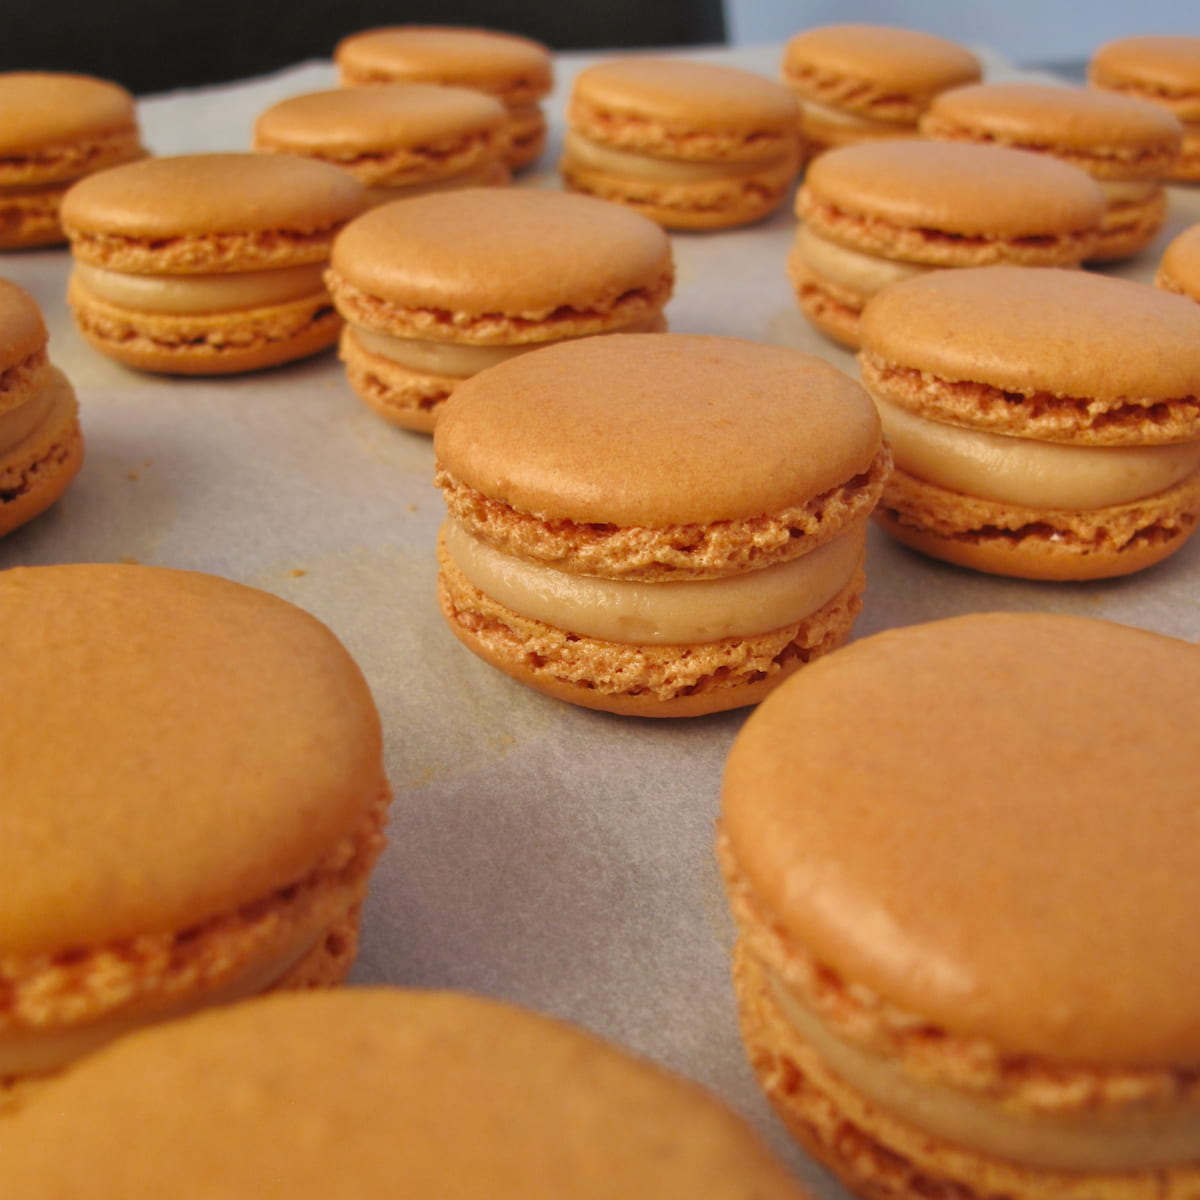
(1041, 330)
(182, 746)
(1179, 269)
(654, 430)
(502, 63)
(514, 251)
(42, 109)
(990, 822)
(22, 329)
(377, 1093)
(1164, 67)
(1048, 117)
(686, 96)
(202, 195)
(904, 60)
(345, 121)
(955, 187)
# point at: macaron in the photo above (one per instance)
(516, 70)
(1179, 269)
(1164, 70)
(962, 860)
(207, 264)
(399, 140)
(866, 82)
(692, 145)
(54, 129)
(193, 795)
(41, 445)
(376, 1093)
(879, 212)
(662, 525)
(436, 288)
(1045, 424)
(1127, 145)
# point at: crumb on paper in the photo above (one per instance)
(296, 572)
(132, 476)
(129, 560)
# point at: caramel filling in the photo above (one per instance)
(35, 1051)
(16, 424)
(482, 176)
(680, 613)
(1029, 473)
(184, 294)
(455, 360)
(823, 115)
(1128, 191)
(863, 274)
(1089, 1141)
(579, 151)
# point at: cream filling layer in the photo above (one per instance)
(1127, 1141)
(183, 294)
(32, 1052)
(863, 274)
(579, 151)
(16, 424)
(455, 360)
(1033, 474)
(1128, 191)
(823, 114)
(681, 613)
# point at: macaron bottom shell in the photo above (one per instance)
(219, 343)
(640, 680)
(713, 204)
(1030, 543)
(38, 470)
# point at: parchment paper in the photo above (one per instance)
(542, 853)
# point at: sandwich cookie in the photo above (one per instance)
(398, 141)
(1126, 145)
(41, 446)
(436, 288)
(968, 968)
(661, 525)
(377, 1093)
(1179, 270)
(1165, 71)
(691, 145)
(207, 264)
(515, 70)
(860, 83)
(54, 129)
(1046, 424)
(880, 212)
(193, 799)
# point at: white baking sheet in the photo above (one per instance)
(546, 854)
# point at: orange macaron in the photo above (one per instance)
(1164, 70)
(861, 83)
(398, 141)
(1045, 423)
(436, 288)
(962, 859)
(659, 525)
(207, 264)
(376, 1093)
(883, 211)
(41, 444)
(193, 801)
(1179, 269)
(1127, 145)
(56, 128)
(692, 145)
(518, 71)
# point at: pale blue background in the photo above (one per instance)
(1026, 31)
